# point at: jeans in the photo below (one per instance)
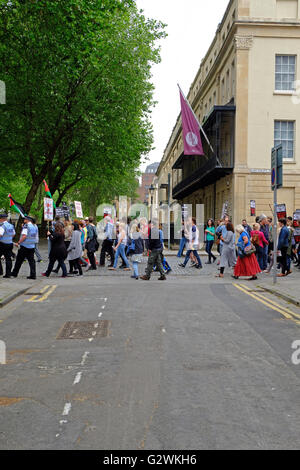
(289, 261)
(181, 247)
(135, 266)
(187, 257)
(121, 252)
(208, 248)
(265, 257)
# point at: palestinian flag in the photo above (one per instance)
(16, 206)
(48, 193)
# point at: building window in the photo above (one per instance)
(285, 72)
(284, 134)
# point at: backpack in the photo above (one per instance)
(255, 239)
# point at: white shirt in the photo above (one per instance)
(1, 231)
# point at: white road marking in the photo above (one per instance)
(67, 409)
(103, 306)
(100, 314)
(91, 339)
(84, 357)
(77, 378)
(96, 325)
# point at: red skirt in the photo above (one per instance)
(247, 266)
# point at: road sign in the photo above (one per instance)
(276, 168)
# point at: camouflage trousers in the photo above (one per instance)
(155, 259)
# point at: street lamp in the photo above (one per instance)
(151, 191)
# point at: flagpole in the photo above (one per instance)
(201, 128)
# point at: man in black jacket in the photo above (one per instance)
(155, 248)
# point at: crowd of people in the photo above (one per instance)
(76, 243)
(247, 250)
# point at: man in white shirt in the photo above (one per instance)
(7, 233)
(193, 245)
(27, 242)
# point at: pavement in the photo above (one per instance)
(195, 362)
(286, 288)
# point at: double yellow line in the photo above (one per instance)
(285, 312)
(44, 293)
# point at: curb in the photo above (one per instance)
(13, 296)
(282, 296)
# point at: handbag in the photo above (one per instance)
(249, 250)
(131, 247)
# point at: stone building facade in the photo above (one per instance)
(247, 97)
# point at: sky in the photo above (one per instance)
(192, 25)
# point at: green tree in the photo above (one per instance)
(79, 92)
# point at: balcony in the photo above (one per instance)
(201, 171)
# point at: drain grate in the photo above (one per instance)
(84, 329)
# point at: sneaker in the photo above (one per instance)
(31, 277)
(181, 265)
(112, 269)
(6, 277)
(127, 269)
(44, 274)
(208, 262)
(162, 278)
(145, 278)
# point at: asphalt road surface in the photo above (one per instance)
(191, 363)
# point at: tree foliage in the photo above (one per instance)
(78, 93)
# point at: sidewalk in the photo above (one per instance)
(288, 288)
(12, 288)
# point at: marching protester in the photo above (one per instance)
(193, 245)
(259, 241)
(283, 244)
(221, 231)
(75, 249)
(246, 226)
(107, 244)
(136, 250)
(7, 233)
(155, 252)
(210, 232)
(120, 248)
(58, 250)
(264, 227)
(91, 243)
(247, 264)
(83, 231)
(27, 242)
(228, 256)
(184, 239)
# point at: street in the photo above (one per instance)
(191, 363)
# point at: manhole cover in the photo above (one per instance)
(84, 329)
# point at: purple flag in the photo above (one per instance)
(190, 128)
